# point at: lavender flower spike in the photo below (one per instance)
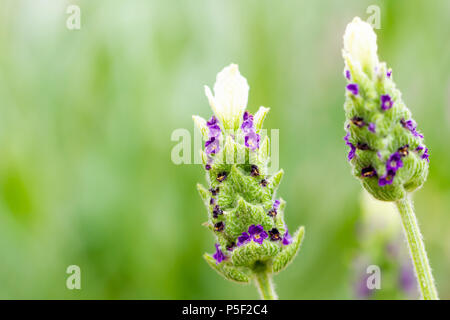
(244, 213)
(390, 158)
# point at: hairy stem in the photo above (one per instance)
(263, 281)
(417, 249)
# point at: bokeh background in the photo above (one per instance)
(86, 118)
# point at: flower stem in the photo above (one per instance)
(417, 249)
(264, 283)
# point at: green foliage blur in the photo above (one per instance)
(86, 118)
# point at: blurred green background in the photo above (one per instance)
(86, 119)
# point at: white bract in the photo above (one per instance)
(230, 96)
(360, 44)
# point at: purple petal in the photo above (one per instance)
(247, 116)
(242, 239)
(394, 162)
(212, 146)
(411, 126)
(218, 256)
(352, 151)
(353, 88)
(252, 141)
(386, 102)
(371, 127)
(276, 204)
(347, 74)
(389, 73)
(214, 131)
(253, 229)
(287, 239)
(425, 155)
(212, 121)
(259, 238)
(388, 178)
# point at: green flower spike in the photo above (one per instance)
(252, 240)
(387, 153)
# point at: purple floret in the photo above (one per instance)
(388, 178)
(411, 126)
(287, 239)
(389, 73)
(347, 74)
(257, 233)
(351, 153)
(252, 140)
(218, 256)
(394, 162)
(386, 102)
(276, 204)
(214, 128)
(243, 239)
(212, 146)
(353, 88)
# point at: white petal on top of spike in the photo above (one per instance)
(230, 96)
(360, 44)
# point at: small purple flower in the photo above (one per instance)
(394, 162)
(247, 124)
(247, 116)
(425, 155)
(217, 211)
(272, 213)
(252, 140)
(209, 162)
(403, 150)
(243, 239)
(386, 102)
(231, 246)
(389, 73)
(212, 201)
(411, 126)
(211, 122)
(215, 191)
(254, 171)
(214, 128)
(274, 234)
(347, 74)
(351, 153)
(221, 176)
(218, 256)
(276, 204)
(388, 178)
(371, 127)
(368, 172)
(353, 88)
(212, 146)
(263, 183)
(257, 233)
(362, 146)
(287, 239)
(358, 121)
(219, 226)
